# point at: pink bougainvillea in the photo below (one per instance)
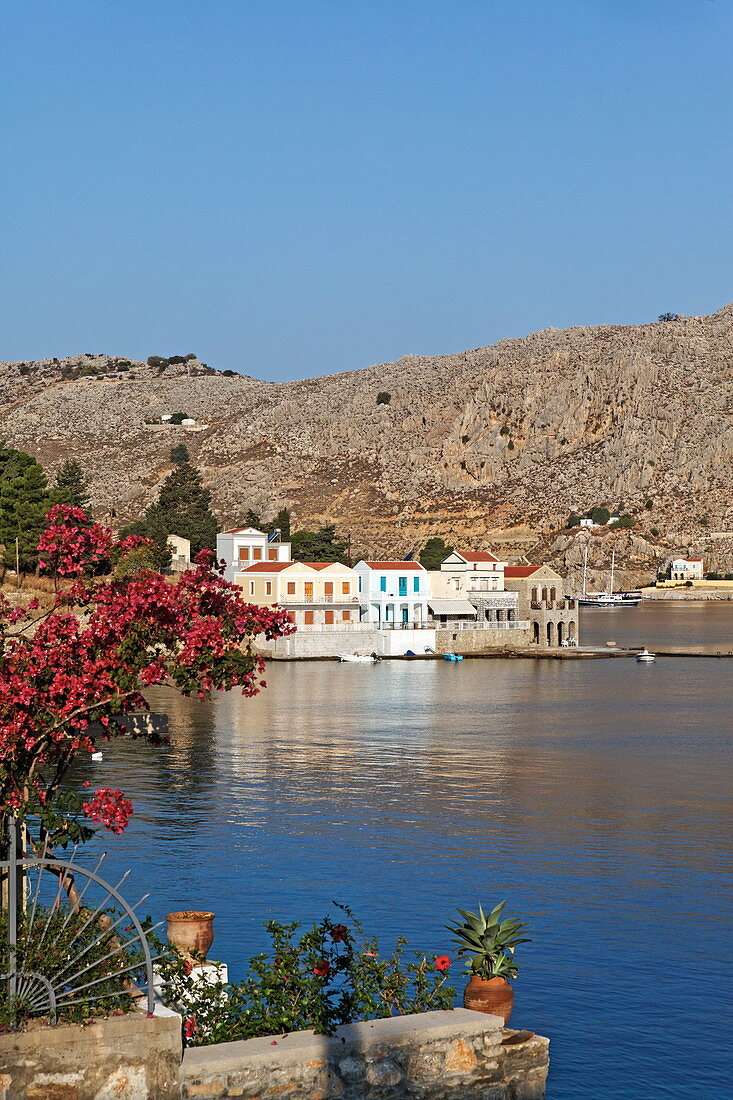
(109, 808)
(89, 657)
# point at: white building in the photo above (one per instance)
(686, 569)
(393, 593)
(247, 545)
(180, 549)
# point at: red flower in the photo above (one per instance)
(322, 969)
(189, 1027)
(339, 933)
(442, 962)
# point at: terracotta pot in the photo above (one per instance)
(191, 932)
(493, 995)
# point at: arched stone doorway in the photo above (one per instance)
(536, 632)
(560, 632)
(544, 594)
(553, 594)
(571, 630)
(551, 634)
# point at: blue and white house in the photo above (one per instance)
(393, 594)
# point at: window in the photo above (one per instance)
(268, 588)
(346, 616)
(416, 584)
(291, 588)
(244, 553)
(251, 588)
(257, 553)
(360, 582)
(308, 618)
(403, 586)
(382, 584)
(272, 553)
(345, 588)
(328, 617)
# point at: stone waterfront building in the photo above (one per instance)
(553, 616)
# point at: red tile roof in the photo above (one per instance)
(266, 567)
(278, 566)
(514, 572)
(394, 565)
(476, 555)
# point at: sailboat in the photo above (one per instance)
(609, 599)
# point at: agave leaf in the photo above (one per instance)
(497, 910)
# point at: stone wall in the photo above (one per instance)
(458, 1055)
(126, 1057)
(479, 641)
(330, 643)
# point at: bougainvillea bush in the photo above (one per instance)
(329, 975)
(90, 656)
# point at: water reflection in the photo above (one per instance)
(594, 795)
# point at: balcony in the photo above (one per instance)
(459, 624)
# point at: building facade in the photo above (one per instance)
(317, 595)
(247, 545)
(470, 590)
(686, 569)
(393, 594)
(552, 616)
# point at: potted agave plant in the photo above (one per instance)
(488, 944)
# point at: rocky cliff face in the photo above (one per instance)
(492, 446)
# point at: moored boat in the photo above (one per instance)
(645, 657)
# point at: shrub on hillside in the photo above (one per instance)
(384, 398)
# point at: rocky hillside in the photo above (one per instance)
(489, 447)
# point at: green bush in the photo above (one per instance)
(332, 974)
(600, 514)
(649, 504)
(655, 531)
(573, 520)
(504, 430)
(383, 398)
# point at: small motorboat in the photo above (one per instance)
(645, 657)
(97, 756)
(359, 658)
(452, 657)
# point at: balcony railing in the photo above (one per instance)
(553, 605)
(511, 624)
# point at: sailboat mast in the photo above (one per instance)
(613, 561)
(585, 570)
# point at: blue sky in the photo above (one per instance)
(298, 188)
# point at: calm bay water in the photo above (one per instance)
(593, 795)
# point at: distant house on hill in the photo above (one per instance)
(686, 569)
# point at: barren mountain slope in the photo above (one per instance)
(493, 438)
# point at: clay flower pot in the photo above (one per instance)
(191, 932)
(493, 995)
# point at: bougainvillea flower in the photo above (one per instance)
(322, 969)
(442, 962)
(339, 933)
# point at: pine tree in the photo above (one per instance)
(179, 454)
(321, 545)
(24, 501)
(433, 553)
(281, 521)
(182, 508)
(71, 485)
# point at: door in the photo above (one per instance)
(404, 615)
(328, 618)
(328, 591)
(308, 591)
(403, 586)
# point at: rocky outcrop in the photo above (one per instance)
(492, 446)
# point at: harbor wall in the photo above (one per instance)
(451, 1055)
